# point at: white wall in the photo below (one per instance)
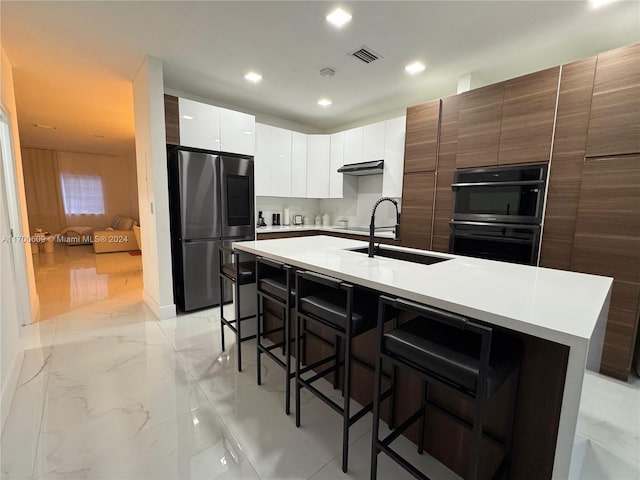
(153, 192)
(357, 211)
(15, 308)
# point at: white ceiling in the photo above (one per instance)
(73, 61)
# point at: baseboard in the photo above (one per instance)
(9, 388)
(35, 307)
(162, 312)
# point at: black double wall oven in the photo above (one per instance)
(497, 212)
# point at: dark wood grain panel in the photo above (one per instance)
(614, 124)
(621, 331)
(543, 80)
(417, 210)
(172, 119)
(607, 242)
(479, 136)
(527, 118)
(578, 74)
(422, 137)
(618, 69)
(565, 173)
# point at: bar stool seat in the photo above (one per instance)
(277, 287)
(246, 273)
(330, 305)
(450, 353)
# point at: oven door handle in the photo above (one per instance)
(498, 184)
(494, 224)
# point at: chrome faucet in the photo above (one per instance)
(372, 225)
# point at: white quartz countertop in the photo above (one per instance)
(551, 304)
(364, 231)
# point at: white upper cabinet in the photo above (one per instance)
(393, 157)
(280, 162)
(298, 165)
(237, 132)
(353, 142)
(199, 125)
(261, 167)
(373, 141)
(318, 158)
(340, 185)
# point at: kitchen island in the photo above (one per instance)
(560, 317)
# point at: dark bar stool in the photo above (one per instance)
(239, 273)
(275, 281)
(451, 350)
(347, 312)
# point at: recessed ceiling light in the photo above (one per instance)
(324, 102)
(247, 133)
(46, 127)
(187, 117)
(600, 3)
(339, 17)
(414, 68)
(253, 77)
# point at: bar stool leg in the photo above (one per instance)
(287, 359)
(474, 460)
(347, 404)
(298, 333)
(376, 418)
(258, 338)
(238, 322)
(222, 311)
(423, 406)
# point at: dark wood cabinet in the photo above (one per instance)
(565, 171)
(607, 242)
(417, 210)
(479, 123)
(172, 119)
(528, 112)
(447, 151)
(614, 123)
(421, 141)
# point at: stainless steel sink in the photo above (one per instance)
(400, 255)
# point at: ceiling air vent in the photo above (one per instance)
(365, 54)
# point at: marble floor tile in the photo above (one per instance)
(600, 463)
(194, 445)
(82, 415)
(270, 439)
(21, 433)
(360, 464)
(610, 417)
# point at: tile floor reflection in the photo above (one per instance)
(108, 392)
(73, 276)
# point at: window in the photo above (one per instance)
(82, 194)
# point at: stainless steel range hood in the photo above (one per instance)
(375, 167)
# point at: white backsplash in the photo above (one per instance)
(357, 211)
(309, 207)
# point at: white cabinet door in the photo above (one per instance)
(280, 162)
(393, 157)
(373, 141)
(318, 158)
(262, 158)
(237, 132)
(353, 142)
(298, 165)
(199, 125)
(337, 180)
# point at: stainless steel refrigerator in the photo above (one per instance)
(211, 200)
